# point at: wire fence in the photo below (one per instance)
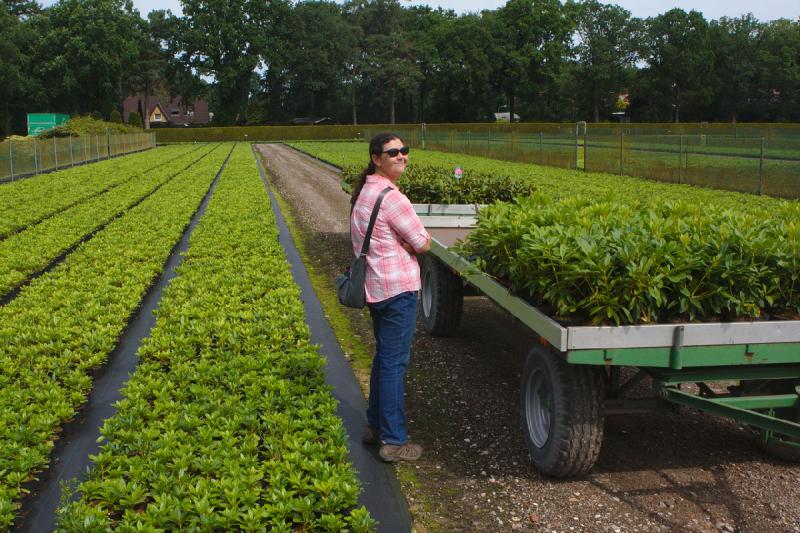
(21, 158)
(757, 159)
(756, 165)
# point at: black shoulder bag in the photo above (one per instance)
(350, 285)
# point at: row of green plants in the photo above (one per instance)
(598, 248)
(425, 184)
(66, 323)
(603, 260)
(227, 423)
(28, 201)
(31, 250)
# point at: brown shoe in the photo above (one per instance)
(406, 452)
(371, 435)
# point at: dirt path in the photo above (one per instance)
(668, 471)
(311, 187)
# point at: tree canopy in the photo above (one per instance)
(379, 61)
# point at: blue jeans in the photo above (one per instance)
(393, 322)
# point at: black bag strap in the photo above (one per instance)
(372, 219)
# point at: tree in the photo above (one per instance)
(386, 56)
(135, 119)
(316, 60)
(735, 65)
(606, 51)
(226, 40)
(777, 90)
(148, 72)
(529, 43)
(84, 49)
(18, 89)
(115, 116)
(459, 79)
(164, 71)
(680, 60)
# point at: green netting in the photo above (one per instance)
(551, 149)
(32, 155)
(745, 164)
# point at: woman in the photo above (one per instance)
(392, 282)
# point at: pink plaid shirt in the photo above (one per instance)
(390, 269)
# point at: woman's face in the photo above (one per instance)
(391, 167)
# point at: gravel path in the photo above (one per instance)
(663, 471)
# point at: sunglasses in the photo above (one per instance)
(392, 152)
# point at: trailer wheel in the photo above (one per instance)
(562, 413)
(442, 298)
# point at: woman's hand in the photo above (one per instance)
(408, 248)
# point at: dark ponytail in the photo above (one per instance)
(375, 148)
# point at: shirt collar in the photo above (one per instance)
(380, 180)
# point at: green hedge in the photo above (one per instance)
(271, 133)
(364, 132)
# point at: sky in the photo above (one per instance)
(764, 10)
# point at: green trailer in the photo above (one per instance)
(573, 378)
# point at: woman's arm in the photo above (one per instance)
(402, 218)
(425, 248)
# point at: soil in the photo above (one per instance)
(676, 470)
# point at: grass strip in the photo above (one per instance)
(30, 251)
(31, 200)
(65, 323)
(227, 423)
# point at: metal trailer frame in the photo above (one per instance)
(761, 358)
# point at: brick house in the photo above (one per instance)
(166, 111)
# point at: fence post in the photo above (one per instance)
(55, 152)
(71, 157)
(97, 146)
(680, 160)
(577, 154)
(108, 145)
(11, 159)
(585, 145)
(541, 147)
(35, 161)
(761, 169)
(621, 155)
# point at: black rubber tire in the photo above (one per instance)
(570, 425)
(442, 298)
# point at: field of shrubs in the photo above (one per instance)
(227, 422)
